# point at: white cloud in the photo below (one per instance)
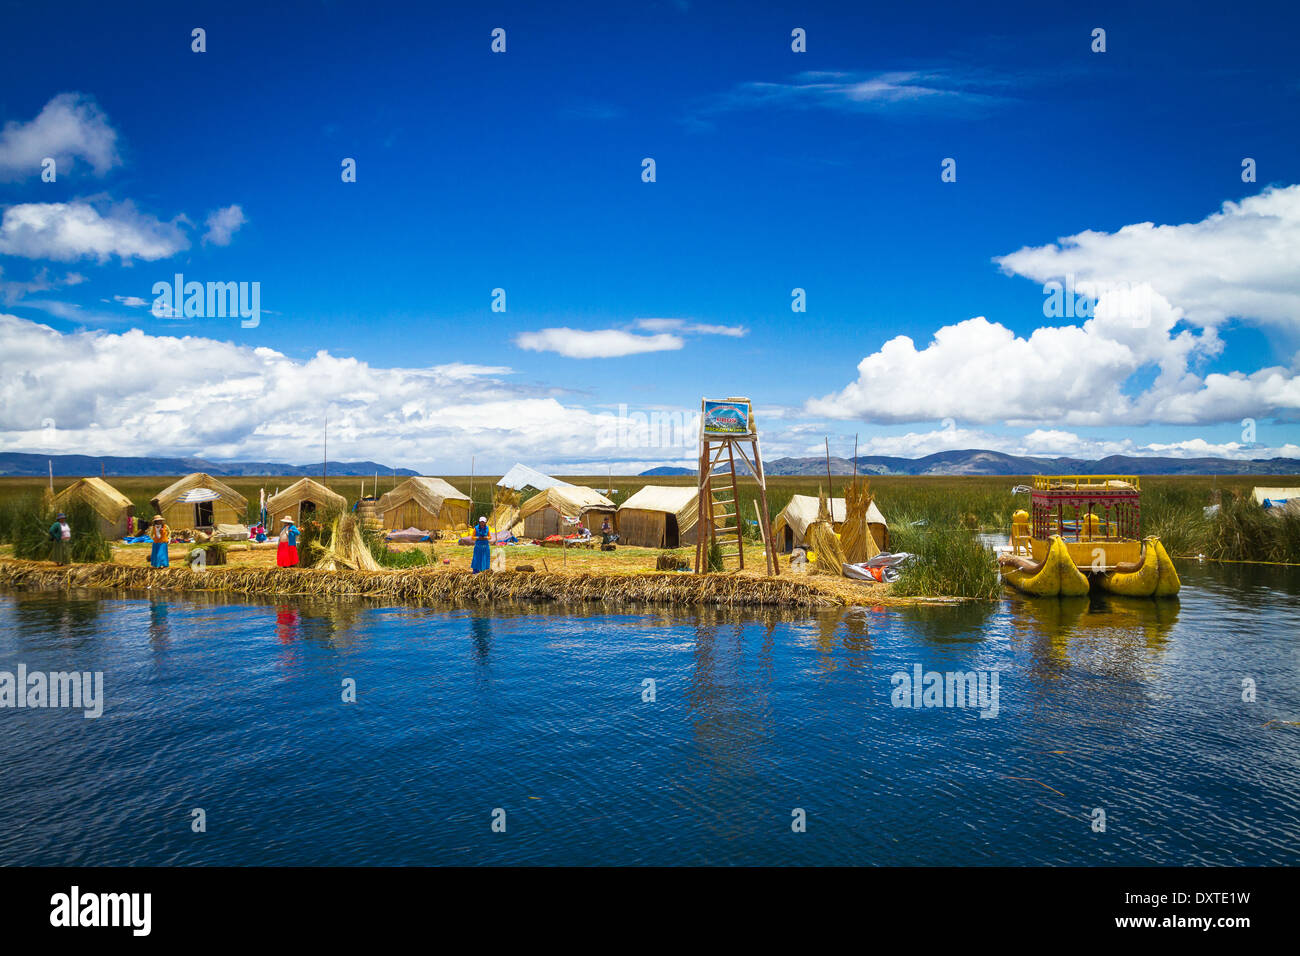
(597, 343)
(14, 290)
(1243, 262)
(1240, 262)
(134, 301)
(690, 328)
(223, 224)
(225, 401)
(78, 230)
(891, 91)
(70, 127)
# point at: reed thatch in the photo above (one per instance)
(790, 528)
(113, 509)
(545, 512)
(430, 585)
(659, 516)
(300, 500)
(426, 503)
(230, 508)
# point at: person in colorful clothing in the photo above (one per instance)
(161, 536)
(286, 556)
(482, 547)
(60, 539)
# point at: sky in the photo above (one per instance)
(933, 227)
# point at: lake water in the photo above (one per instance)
(235, 707)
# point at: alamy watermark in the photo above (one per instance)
(179, 299)
(653, 429)
(977, 690)
(75, 690)
(1080, 298)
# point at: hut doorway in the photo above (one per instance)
(306, 509)
(670, 531)
(203, 514)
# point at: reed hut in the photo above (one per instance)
(791, 525)
(555, 510)
(301, 500)
(658, 516)
(228, 507)
(429, 504)
(113, 508)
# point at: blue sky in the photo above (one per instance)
(522, 170)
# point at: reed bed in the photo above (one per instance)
(431, 585)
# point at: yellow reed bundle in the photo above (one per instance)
(855, 534)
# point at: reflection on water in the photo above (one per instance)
(1130, 705)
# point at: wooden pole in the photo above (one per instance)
(471, 485)
(830, 488)
(855, 460)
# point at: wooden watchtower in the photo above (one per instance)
(726, 428)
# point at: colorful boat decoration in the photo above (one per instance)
(1082, 532)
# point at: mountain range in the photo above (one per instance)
(21, 464)
(978, 461)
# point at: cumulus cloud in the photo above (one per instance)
(64, 231)
(70, 127)
(222, 224)
(1242, 262)
(222, 400)
(596, 343)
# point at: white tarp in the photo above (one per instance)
(520, 477)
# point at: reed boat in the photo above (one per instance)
(1082, 532)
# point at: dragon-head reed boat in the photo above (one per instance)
(1083, 531)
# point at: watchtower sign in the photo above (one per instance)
(729, 416)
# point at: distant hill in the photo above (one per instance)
(667, 470)
(983, 462)
(20, 464)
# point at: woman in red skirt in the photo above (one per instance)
(286, 556)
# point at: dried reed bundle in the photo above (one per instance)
(855, 535)
(347, 548)
(821, 538)
(431, 585)
(505, 509)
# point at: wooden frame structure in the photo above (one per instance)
(715, 450)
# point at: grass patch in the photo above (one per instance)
(949, 561)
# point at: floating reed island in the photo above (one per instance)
(432, 585)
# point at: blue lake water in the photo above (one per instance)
(235, 706)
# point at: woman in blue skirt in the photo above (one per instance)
(482, 547)
(161, 536)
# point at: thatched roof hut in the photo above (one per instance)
(425, 503)
(792, 523)
(113, 508)
(229, 507)
(545, 513)
(658, 516)
(301, 500)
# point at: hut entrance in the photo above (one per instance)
(203, 514)
(670, 531)
(306, 509)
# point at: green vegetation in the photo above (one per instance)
(948, 561)
(31, 536)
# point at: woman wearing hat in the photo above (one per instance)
(286, 556)
(161, 536)
(60, 539)
(482, 547)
